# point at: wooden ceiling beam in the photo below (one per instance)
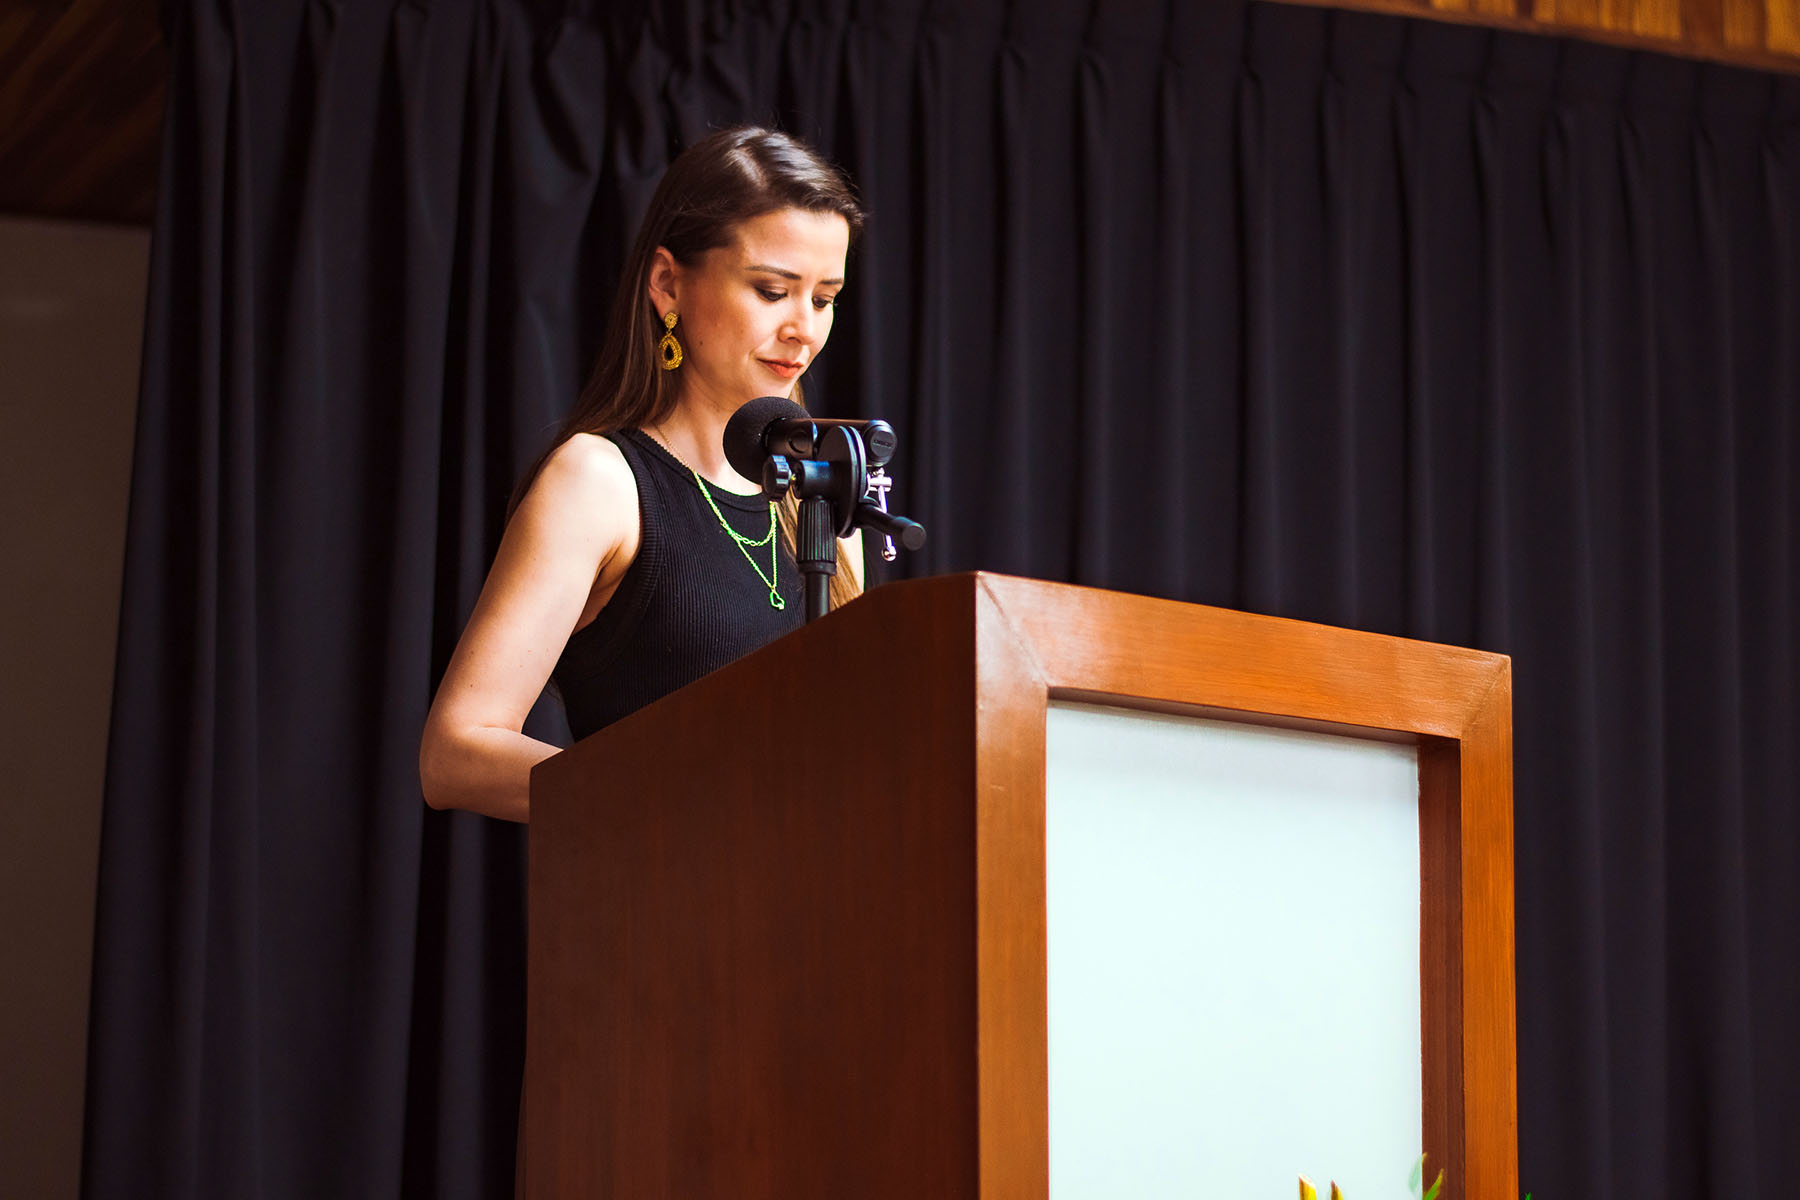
(81, 100)
(1760, 34)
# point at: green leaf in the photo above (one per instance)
(1432, 1191)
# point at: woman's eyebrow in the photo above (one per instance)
(783, 272)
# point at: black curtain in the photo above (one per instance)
(1469, 336)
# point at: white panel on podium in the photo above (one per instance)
(1233, 923)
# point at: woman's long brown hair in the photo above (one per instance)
(712, 187)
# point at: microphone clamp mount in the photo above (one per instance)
(831, 467)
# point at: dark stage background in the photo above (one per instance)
(1421, 329)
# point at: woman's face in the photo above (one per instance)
(754, 312)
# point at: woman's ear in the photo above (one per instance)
(665, 282)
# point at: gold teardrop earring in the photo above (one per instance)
(669, 348)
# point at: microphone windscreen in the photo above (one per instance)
(744, 432)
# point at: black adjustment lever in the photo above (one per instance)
(908, 532)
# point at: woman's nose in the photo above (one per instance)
(804, 325)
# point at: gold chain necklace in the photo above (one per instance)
(743, 542)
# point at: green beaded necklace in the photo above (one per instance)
(744, 543)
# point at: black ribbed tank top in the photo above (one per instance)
(688, 604)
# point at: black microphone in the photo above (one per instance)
(744, 447)
(771, 425)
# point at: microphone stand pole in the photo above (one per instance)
(815, 552)
(828, 487)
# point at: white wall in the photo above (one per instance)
(71, 318)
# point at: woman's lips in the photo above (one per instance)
(787, 370)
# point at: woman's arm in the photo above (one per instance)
(564, 551)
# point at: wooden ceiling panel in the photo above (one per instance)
(1761, 34)
(81, 99)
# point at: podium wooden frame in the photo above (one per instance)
(787, 924)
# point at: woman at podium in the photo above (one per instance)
(635, 559)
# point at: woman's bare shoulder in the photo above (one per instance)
(588, 460)
(585, 476)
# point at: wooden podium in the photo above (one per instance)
(788, 925)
